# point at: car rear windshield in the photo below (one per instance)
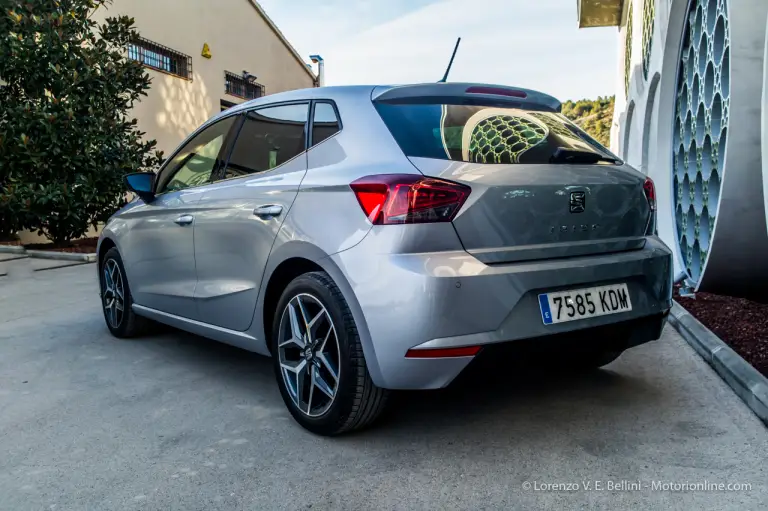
(486, 134)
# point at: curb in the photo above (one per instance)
(62, 256)
(15, 257)
(745, 380)
(46, 254)
(12, 249)
(69, 264)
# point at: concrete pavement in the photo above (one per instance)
(173, 421)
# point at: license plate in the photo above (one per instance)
(584, 303)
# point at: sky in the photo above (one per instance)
(533, 44)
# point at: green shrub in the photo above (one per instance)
(66, 136)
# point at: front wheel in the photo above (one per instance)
(318, 359)
(116, 299)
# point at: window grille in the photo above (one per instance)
(159, 57)
(237, 85)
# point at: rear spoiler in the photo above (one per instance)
(467, 94)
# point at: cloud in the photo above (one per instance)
(534, 44)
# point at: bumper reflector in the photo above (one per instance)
(464, 351)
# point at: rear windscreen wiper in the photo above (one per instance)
(577, 156)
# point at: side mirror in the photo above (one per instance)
(141, 183)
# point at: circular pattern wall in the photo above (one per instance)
(649, 15)
(628, 52)
(700, 129)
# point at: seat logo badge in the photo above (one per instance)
(578, 202)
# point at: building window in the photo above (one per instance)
(226, 105)
(159, 57)
(236, 85)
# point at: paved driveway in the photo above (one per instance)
(174, 421)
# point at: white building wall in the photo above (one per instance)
(731, 257)
(629, 144)
(765, 128)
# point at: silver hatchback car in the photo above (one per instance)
(378, 238)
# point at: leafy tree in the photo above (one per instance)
(593, 116)
(66, 137)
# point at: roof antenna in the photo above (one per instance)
(445, 77)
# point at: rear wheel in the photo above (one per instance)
(318, 359)
(116, 299)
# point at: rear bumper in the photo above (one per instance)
(450, 299)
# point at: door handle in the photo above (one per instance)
(268, 211)
(184, 220)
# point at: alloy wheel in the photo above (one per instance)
(309, 355)
(113, 295)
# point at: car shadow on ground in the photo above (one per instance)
(537, 389)
(231, 365)
(527, 389)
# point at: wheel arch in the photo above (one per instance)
(107, 241)
(284, 273)
(287, 260)
(104, 245)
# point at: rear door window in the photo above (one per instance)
(485, 134)
(325, 122)
(268, 138)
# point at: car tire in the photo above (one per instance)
(118, 312)
(305, 369)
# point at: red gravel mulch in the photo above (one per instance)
(81, 246)
(741, 323)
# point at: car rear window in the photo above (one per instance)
(483, 134)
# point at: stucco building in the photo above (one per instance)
(203, 56)
(692, 113)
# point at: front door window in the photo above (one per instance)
(197, 160)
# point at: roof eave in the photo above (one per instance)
(282, 38)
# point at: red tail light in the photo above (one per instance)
(408, 198)
(650, 192)
(464, 351)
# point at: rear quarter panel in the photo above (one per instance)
(326, 212)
